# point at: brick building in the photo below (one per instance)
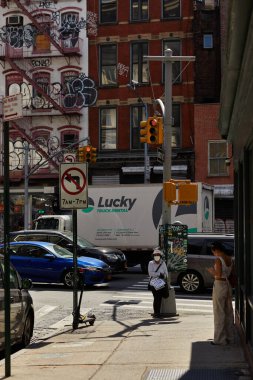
(128, 86)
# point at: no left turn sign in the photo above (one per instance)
(73, 186)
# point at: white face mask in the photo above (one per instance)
(157, 258)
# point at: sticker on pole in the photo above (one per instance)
(73, 186)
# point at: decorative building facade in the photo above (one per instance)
(43, 56)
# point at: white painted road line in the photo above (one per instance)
(43, 311)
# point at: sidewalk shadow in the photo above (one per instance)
(214, 362)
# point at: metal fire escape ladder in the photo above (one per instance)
(36, 146)
(30, 80)
(39, 26)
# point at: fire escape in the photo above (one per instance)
(19, 60)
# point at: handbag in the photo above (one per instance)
(157, 283)
(149, 283)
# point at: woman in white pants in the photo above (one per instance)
(222, 296)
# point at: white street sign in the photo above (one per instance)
(12, 107)
(73, 186)
(69, 157)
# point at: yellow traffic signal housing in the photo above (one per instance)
(81, 154)
(93, 157)
(155, 130)
(160, 130)
(169, 192)
(143, 131)
(187, 193)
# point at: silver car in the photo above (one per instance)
(21, 308)
(199, 258)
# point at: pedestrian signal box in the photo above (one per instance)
(187, 193)
(180, 192)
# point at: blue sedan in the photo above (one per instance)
(50, 263)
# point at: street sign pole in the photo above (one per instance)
(169, 304)
(73, 195)
(12, 110)
(7, 250)
(75, 274)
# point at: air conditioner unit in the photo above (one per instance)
(14, 20)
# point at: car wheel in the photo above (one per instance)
(28, 330)
(190, 282)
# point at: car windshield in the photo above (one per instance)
(83, 243)
(63, 252)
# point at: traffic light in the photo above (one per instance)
(93, 157)
(80, 154)
(169, 192)
(187, 193)
(155, 130)
(144, 131)
(87, 153)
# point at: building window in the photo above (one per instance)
(217, 153)
(176, 126)
(139, 10)
(208, 41)
(139, 65)
(171, 9)
(138, 113)
(175, 46)
(69, 31)
(43, 81)
(108, 128)
(108, 65)
(108, 11)
(69, 137)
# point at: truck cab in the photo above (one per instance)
(53, 222)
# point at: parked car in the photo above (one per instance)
(50, 263)
(111, 256)
(199, 258)
(21, 308)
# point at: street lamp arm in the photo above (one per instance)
(160, 102)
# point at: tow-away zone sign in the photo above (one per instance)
(73, 186)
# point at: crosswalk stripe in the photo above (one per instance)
(40, 313)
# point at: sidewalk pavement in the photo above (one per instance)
(135, 349)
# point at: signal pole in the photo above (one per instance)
(169, 304)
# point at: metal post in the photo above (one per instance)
(26, 211)
(169, 304)
(146, 157)
(7, 250)
(75, 274)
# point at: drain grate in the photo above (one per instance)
(191, 374)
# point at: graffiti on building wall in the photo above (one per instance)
(18, 36)
(70, 28)
(50, 146)
(77, 92)
(92, 28)
(46, 4)
(122, 69)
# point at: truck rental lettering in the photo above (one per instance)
(122, 204)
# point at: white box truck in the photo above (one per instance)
(128, 217)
